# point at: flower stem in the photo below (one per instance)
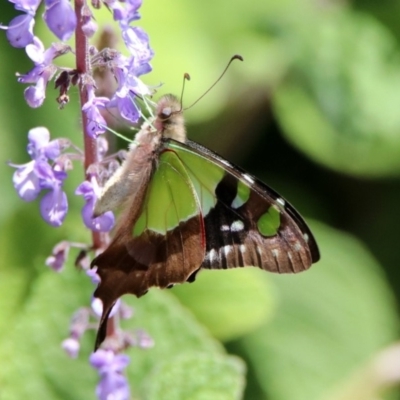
(90, 145)
(83, 68)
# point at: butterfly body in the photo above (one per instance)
(187, 208)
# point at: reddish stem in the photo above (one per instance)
(90, 145)
(83, 67)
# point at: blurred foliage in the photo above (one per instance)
(312, 110)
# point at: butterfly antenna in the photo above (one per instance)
(235, 57)
(186, 77)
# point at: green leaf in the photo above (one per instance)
(38, 368)
(329, 320)
(197, 376)
(230, 303)
(339, 103)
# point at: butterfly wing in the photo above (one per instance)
(246, 222)
(159, 242)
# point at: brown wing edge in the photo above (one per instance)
(133, 265)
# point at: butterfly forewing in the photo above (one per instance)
(246, 222)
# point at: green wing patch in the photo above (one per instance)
(243, 194)
(204, 175)
(269, 223)
(170, 198)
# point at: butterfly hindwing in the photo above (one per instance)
(160, 243)
(246, 222)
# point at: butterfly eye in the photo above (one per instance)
(166, 113)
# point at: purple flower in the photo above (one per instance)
(39, 144)
(29, 6)
(137, 42)
(124, 101)
(54, 207)
(96, 124)
(43, 70)
(35, 95)
(58, 256)
(30, 178)
(128, 87)
(113, 384)
(26, 182)
(71, 346)
(54, 204)
(127, 13)
(127, 71)
(90, 192)
(60, 18)
(79, 325)
(26, 178)
(20, 30)
(89, 26)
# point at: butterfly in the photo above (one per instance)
(186, 208)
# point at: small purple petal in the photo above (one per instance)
(136, 85)
(127, 108)
(20, 31)
(128, 12)
(89, 27)
(56, 263)
(113, 384)
(93, 275)
(85, 189)
(54, 207)
(106, 361)
(137, 42)
(26, 182)
(101, 358)
(97, 307)
(103, 223)
(89, 191)
(42, 72)
(53, 149)
(38, 138)
(35, 95)
(128, 87)
(35, 51)
(71, 347)
(60, 18)
(31, 77)
(96, 124)
(48, 178)
(59, 256)
(29, 6)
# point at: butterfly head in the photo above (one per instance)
(169, 119)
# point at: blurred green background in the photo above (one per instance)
(314, 112)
